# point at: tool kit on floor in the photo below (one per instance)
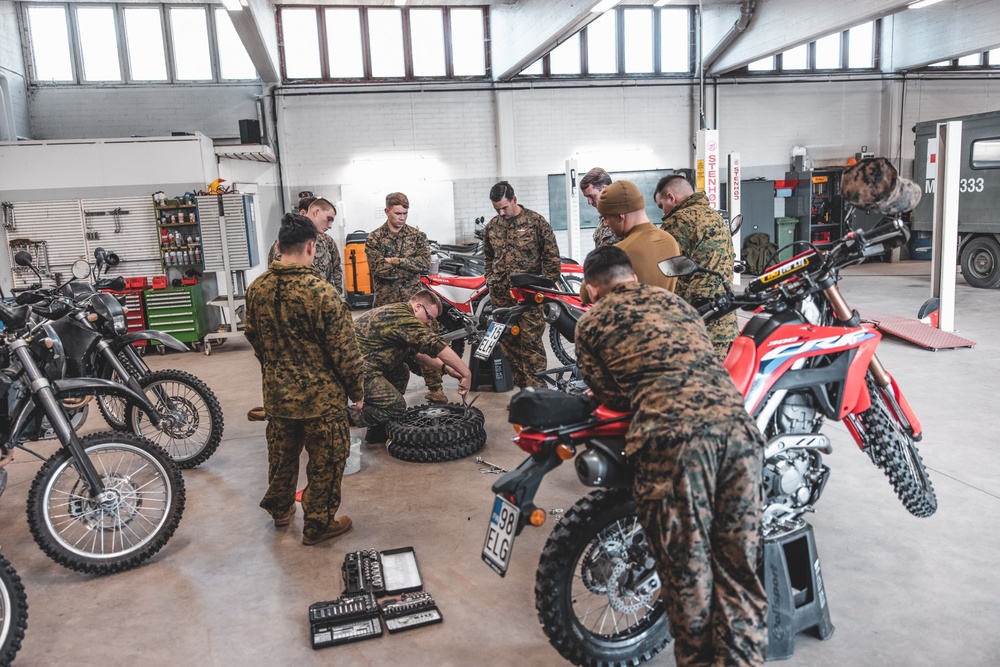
(356, 615)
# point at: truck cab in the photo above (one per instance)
(979, 193)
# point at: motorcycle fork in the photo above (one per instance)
(42, 388)
(900, 408)
(127, 378)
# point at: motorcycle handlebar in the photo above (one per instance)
(893, 231)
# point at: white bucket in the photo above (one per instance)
(354, 459)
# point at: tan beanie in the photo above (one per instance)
(619, 198)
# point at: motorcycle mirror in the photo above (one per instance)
(22, 258)
(735, 224)
(112, 259)
(81, 268)
(677, 266)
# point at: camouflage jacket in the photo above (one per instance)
(704, 237)
(395, 283)
(327, 261)
(522, 244)
(389, 334)
(303, 337)
(603, 234)
(643, 349)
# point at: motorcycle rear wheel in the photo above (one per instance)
(564, 350)
(13, 612)
(136, 521)
(191, 431)
(584, 563)
(894, 452)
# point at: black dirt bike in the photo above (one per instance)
(97, 344)
(100, 504)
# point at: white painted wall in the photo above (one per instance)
(12, 66)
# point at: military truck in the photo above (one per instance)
(979, 193)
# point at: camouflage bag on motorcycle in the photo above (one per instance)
(541, 408)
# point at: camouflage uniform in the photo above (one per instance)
(327, 261)
(397, 283)
(603, 234)
(704, 237)
(697, 459)
(522, 244)
(387, 336)
(304, 339)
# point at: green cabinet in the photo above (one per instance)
(178, 311)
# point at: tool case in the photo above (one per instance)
(358, 291)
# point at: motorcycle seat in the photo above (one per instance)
(604, 412)
(465, 282)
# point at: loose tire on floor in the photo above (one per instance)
(586, 559)
(143, 513)
(433, 432)
(895, 453)
(192, 430)
(13, 612)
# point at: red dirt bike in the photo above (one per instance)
(468, 309)
(803, 358)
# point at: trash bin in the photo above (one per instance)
(784, 237)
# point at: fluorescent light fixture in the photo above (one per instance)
(603, 6)
(922, 3)
(232, 5)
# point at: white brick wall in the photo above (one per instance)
(87, 112)
(12, 66)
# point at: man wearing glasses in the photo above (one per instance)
(519, 240)
(387, 337)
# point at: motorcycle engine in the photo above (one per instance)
(796, 414)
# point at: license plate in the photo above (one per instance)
(493, 334)
(500, 535)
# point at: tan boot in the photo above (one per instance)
(338, 527)
(282, 520)
(257, 415)
(436, 396)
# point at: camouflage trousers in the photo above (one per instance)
(327, 442)
(704, 535)
(723, 332)
(525, 352)
(384, 400)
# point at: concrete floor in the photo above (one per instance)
(230, 589)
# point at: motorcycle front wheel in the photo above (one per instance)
(191, 423)
(591, 607)
(894, 452)
(13, 612)
(564, 350)
(140, 510)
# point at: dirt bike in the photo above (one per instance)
(102, 503)
(97, 344)
(804, 357)
(468, 309)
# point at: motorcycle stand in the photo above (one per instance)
(494, 372)
(795, 595)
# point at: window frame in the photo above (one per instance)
(995, 164)
(811, 69)
(366, 53)
(124, 61)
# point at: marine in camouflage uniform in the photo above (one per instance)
(387, 337)
(697, 459)
(396, 283)
(704, 237)
(303, 337)
(603, 234)
(523, 243)
(327, 261)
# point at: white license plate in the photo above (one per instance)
(493, 334)
(500, 535)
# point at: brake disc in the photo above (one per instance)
(599, 563)
(617, 596)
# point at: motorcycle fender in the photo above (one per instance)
(149, 334)
(90, 386)
(521, 484)
(856, 397)
(907, 410)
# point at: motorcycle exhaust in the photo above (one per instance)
(555, 314)
(598, 467)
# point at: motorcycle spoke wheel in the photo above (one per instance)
(592, 609)
(13, 612)
(894, 452)
(113, 407)
(564, 350)
(140, 510)
(191, 421)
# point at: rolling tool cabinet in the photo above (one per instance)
(178, 311)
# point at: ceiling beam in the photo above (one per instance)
(256, 28)
(944, 31)
(526, 31)
(779, 25)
